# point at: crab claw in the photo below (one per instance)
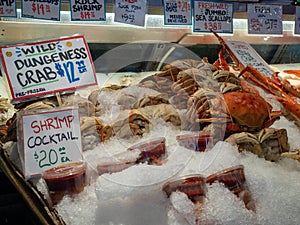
(291, 105)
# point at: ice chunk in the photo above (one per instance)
(80, 209)
(223, 207)
(146, 208)
(182, 209)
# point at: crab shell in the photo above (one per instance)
(248, 109)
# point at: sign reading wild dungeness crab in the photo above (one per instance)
(47, 67)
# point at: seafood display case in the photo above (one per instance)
(169, 134)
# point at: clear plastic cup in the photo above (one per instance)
(194, 186)
(151, 150)
(66, 179)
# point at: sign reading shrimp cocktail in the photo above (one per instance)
(47, 67)
(50, 139)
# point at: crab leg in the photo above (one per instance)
(222, 52)
(291, 105)
(267, 84)
(262, 81)
(221, 63)
(295, 72)
(287, 86)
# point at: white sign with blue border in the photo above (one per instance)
(8, 8)
(88, 10)
(264, 19)
(46, 10)
(177, 12)
(216, 16)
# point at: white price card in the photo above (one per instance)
(48, 67)
(264, 19)
(297, 20)
(8, 8)
(130, 11)
(216, 16)
(88, 10)
(50, 139)
(177, 12)
(247, 56)
(40, 9)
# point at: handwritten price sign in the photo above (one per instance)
(216, 16)
(297, 21)
(47, 67)
(264, 19)
(48, 10)
(8, 8)
(249, 57)
(50, 139)
(130, 11)
(92, 10)
(177, 12)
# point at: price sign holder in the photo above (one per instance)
(247, 56)
(37, 69)
(46, 10)
(213, 16)
(8, 8)
(130, 11)
(264, 19)
(88, 10)
(297, 20)
(49, 138)
(177, 12)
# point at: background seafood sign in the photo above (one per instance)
(47, 67)
(8, 8)
(249, 57)
(216, 16)
(50, 139)
(41, 9)
(88, 10)
(130, 11)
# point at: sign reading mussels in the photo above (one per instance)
(177, 12)
(49, 139)
(47, 67)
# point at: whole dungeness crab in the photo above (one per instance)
(239, 110)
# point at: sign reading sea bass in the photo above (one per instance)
(47, 67)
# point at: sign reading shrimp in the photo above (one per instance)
(214, 16)
(47, 67)
(88, 10)
(50, 139)
(8, 8)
